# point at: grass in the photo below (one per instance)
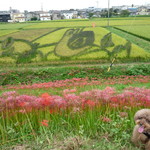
(13, 76)
(71, 130)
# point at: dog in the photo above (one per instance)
(141, 131)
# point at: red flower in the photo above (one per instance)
(106, 119)
(44, 123)
(47, 99)
(22, 104)
(45, 95)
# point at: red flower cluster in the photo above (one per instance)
(130, 97)
(75, 82)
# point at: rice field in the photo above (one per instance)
(72, 40)
(74, 43)
(88, 23)
(139, 30)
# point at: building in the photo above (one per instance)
(18, 17)
(5, 17)
(45, 16)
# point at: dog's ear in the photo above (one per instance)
(137, 115)
(142, 114)
(148, 118)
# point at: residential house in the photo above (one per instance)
(44, 16)
(56, 15)
(133, 10)
(5, 16)
(143, 10)
(18, 17)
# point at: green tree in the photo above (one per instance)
(34, 18)
(124, 13)
(91, 15)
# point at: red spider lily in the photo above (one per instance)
(84, 81)
(45, 95)
(22, 104)
(45, 123)
(90, 103)
(106, 119)
(46, 99)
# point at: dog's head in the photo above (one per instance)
(142, 118)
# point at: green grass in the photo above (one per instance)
(80, 130)
(19, 75)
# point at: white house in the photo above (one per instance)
(18, 17)
(44, 16)
(68, 15)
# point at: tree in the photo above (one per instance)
(34, 18)
(124, 13)
(91, 15)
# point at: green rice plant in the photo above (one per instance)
(14, 26)
(141, 31)
(29, 35)
(5, 32)
(73, 44)
(132, 38)
(98, 22)
(51, 38)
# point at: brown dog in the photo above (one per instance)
(141, 132)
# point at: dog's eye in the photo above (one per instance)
(139, 117)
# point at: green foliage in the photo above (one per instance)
(138, 70)
(34, 19)
(91, 15)
(124, 13)
(61, 73)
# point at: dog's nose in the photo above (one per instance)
(141, 124)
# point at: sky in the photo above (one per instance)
(34, 5)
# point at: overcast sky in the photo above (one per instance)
(32, 5)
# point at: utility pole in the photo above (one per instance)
(108, 13)
(97, 3)
(41, 6)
